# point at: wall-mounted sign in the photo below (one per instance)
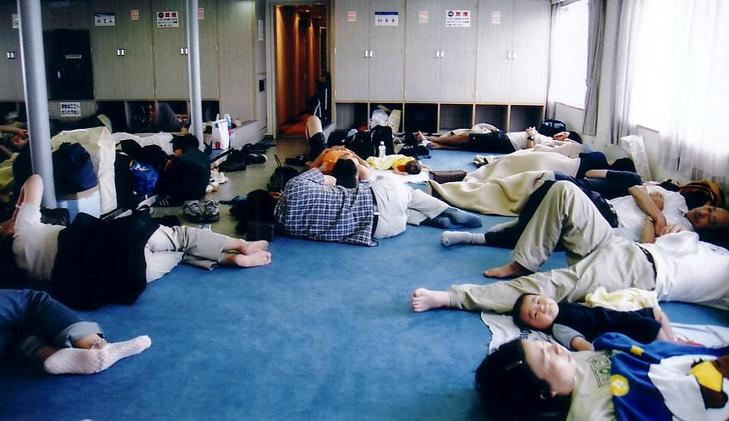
(458, 19)
(134, 14)
(387, 18)
(351, 16)
(16, 20)
(70, 109)
(168, 19)
(496, 18)
(104, 19)
(423, 16)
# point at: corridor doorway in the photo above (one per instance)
(303, 85)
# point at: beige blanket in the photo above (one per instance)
(500, 196)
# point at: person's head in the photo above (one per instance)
(526, 377)
(413, 167)
(182, 144)
(534, 311)
(623, 164)
(18, 141)
(708, 218)
(345, 171)
(575, 136)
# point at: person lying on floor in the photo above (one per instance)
(329, 157)
(575, 326)
(484, 137)
(522, 161)
(626, 212)
(339, 208)
(399, 164)
(94, 262)
(672, 262)
(623, 379)
(49, 332)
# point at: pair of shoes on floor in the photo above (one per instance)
(259, 148)
(201, 211)
(216, 179)
(238, 160)
(166, 201)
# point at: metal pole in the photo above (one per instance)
(193, 59)
(36, 95)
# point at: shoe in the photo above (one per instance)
(235, 161)
(298, 161)
(255, 148)
(211, 210)
(193, 211)
(255, 158)
(216, 176)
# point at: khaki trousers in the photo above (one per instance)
(597, 257)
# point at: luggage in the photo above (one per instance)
(281, 175)
(362, 145)
(73, 170)
(383, 134)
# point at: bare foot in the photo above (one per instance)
(509, 270)
(259, 258)
(250, 247)
(425, 299)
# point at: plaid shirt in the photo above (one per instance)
(310, 209)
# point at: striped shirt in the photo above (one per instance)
(310, 209)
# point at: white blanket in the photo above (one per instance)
(500, 196)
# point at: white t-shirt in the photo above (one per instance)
(690, 270)
(631, 217)
(592, 397)
(35, 244)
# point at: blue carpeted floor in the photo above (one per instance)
(324, 332)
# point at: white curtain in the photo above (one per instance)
(568, 53)
(677, 67)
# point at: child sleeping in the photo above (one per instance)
(400, 164)
(575, 326)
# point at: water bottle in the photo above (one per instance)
(382, 150)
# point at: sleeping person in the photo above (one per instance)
(575, 326)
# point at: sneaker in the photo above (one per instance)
(193, 211)
(211, 210)
(255, 158)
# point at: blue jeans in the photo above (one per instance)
(36, 319)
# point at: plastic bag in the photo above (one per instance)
(221, 136)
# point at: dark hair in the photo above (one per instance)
(345, 171)
(623, 164)
(517, 309)
(186, 142)
(507, 385)
(413, 167)
(574, 136)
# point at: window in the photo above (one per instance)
(569, 55)
(679, 85)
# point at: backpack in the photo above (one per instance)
(337, 137)
(73, 170)
(281, 175)
(144, 178)
(383, 134)
(551, 127)
(362, 145)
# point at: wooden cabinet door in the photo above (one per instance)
(351, 42)
(458, 57)
(11, 79)
(128, 76)
(386, 62)
(530, 61)
(208, 41)
(493, 65)
(424, 25)
(170, 66)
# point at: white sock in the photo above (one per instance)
(451, 238)
(90, 361)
